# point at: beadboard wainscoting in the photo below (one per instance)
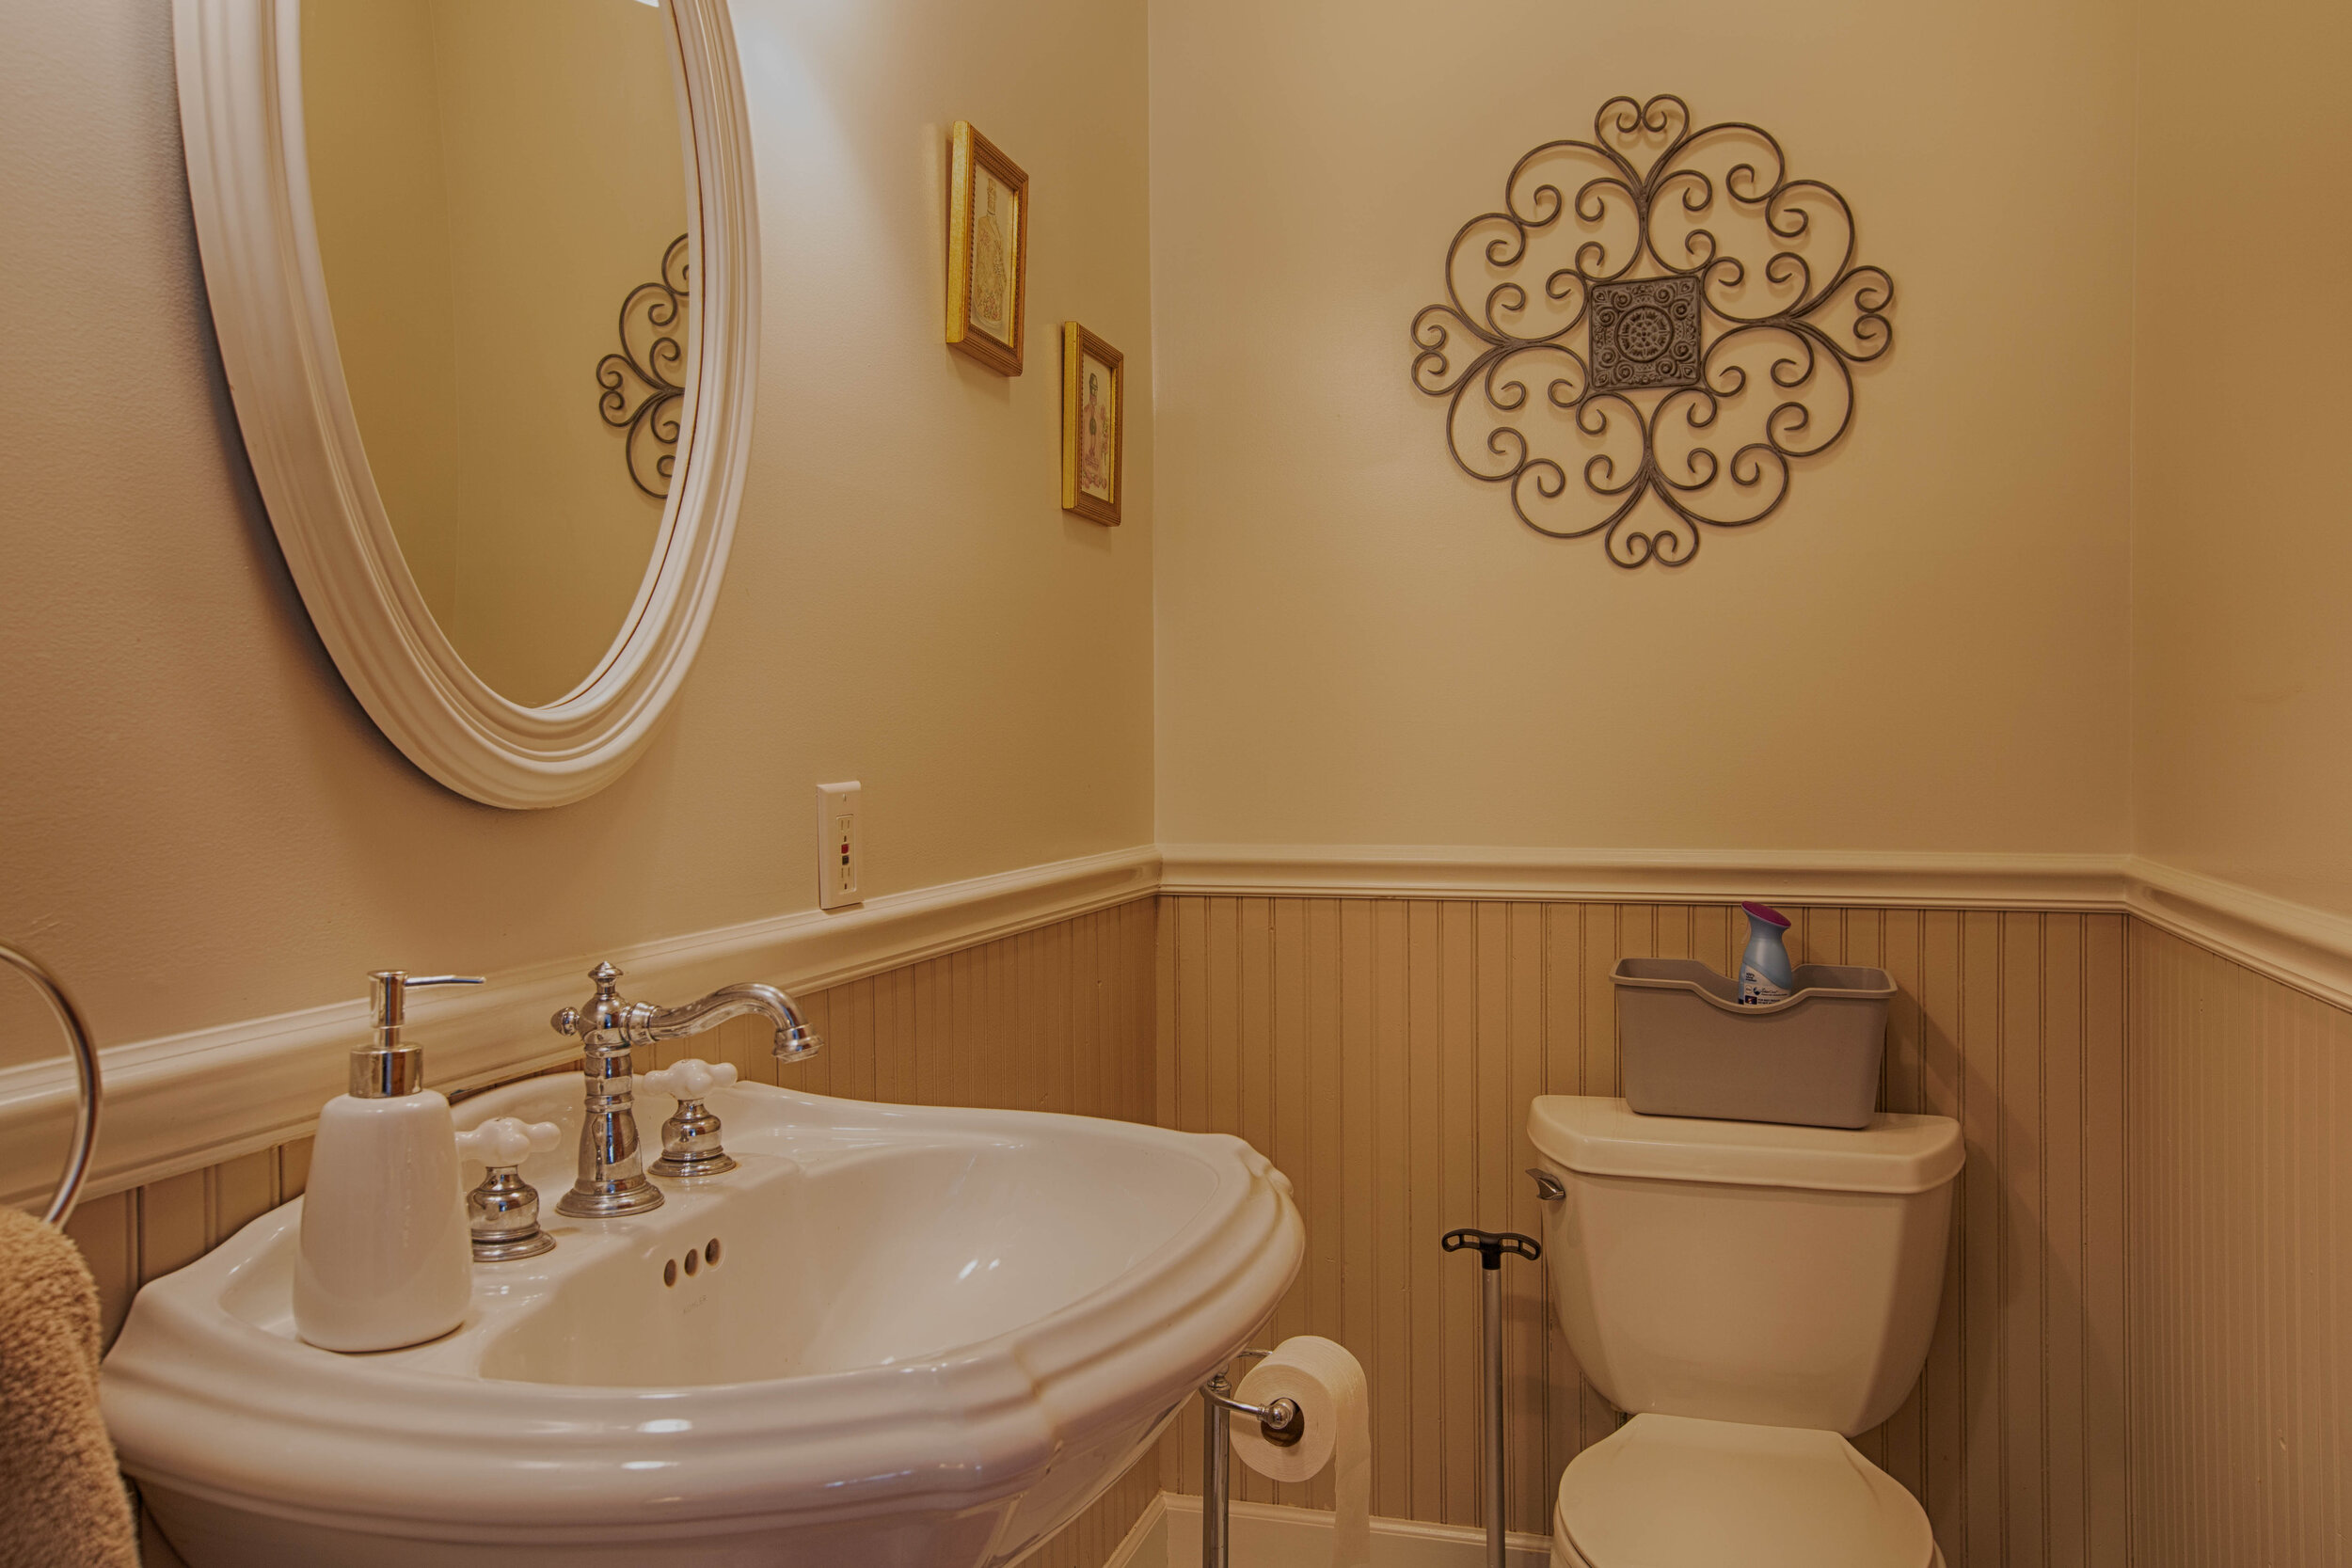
(2241, 1227)
(1055, 1019)
(1383, 1053)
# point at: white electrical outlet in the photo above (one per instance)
(839, 850)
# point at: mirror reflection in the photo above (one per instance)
(502, 191)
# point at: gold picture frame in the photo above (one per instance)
(988, 251)
(1093, 426)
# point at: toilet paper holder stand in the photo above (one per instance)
(1281, 1422)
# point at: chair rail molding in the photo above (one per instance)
(1895, 879)
(182, 1102)
(2309, 949)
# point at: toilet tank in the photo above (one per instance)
(1747, 1271)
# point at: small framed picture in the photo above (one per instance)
(988, 251)
(1093, 418)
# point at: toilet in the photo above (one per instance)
(1752, 1295)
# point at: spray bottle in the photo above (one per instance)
(1765, 972)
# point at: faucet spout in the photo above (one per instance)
(612, 1181)
(795, 1041)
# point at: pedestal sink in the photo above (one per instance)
(895, 1338)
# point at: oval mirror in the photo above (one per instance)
(482, 274)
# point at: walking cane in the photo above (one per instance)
(1491, 1245)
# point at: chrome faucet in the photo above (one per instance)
(612, 1179)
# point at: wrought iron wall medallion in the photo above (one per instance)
(645, 384)
(1694, 315)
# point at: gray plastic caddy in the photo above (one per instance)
(1692, 1050)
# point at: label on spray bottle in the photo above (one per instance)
(1765, 976)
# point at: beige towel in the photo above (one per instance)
(61, 1501)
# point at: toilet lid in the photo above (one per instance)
(1670, 1492)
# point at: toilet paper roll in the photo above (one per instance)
(1328, 1385)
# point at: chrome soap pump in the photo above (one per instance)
(384, 1261)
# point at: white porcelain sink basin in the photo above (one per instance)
(910, 1337)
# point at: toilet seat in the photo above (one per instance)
(1674, 1492)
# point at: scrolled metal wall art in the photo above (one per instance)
(1694, 342)
(643, 390)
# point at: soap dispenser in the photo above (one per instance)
(385, 1259)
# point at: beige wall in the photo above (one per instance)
(2241, 649)
(1383, 1053)
(1357, 644)
(490, 180)
(200, 826)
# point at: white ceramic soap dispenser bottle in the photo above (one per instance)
(384, 1261)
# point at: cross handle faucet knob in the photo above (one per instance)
(503, 1141)
(503, 1214)
(690, 1079)
(690, 1140)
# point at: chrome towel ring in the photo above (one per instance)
(85, 1070)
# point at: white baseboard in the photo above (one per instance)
(1145, 1544)
(1168, 1535)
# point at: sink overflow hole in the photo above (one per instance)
(694, 1259)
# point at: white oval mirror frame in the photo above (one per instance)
(241, 119)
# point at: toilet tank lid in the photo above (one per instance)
(1895, 1153)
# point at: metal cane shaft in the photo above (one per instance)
(1492, 1281)
(1491, 1246)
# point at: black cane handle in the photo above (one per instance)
(1492, 1244)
